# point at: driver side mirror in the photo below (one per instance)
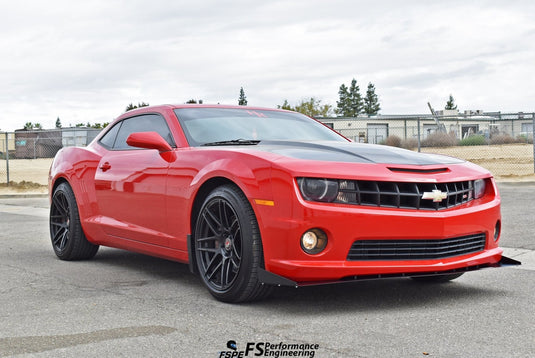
(148, 140)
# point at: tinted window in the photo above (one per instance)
(144, 123)
(109, 138)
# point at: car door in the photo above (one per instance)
(130, 183)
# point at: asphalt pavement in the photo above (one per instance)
(123, 304)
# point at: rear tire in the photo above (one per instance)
(228, 247)
(68, 238)
(437, 278)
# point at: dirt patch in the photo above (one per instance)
(507, 162)
(29, 176)
(29, 170)
(23, 187)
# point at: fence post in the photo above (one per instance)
(419, 143)
(7, 158)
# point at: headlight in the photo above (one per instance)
(313, 189)
(479, 188)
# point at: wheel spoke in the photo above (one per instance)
(236, 254)
(213, 266)
(60, 224)
(235, 228)
(63, 240)
(208, 249)
(58, 208)
(216, 218)
(209, 238)
(225, 267)
(61, 204)
(235, 264)
(208, 217)
(57, 237)
(223, 214)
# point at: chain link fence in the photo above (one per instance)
(26, 156)
(500, 142)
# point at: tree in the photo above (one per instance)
(371, 101)
(355, 99)
(311, 107)
(58, 123)
(38, 126)
(285, 106)
(451, 103)
(132, 106)
(194, 101)
(350, 102)
(242, 101)
(343, 106)
(28, 126)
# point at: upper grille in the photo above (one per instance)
(366, 250)
(403, 195)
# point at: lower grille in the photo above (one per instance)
(367, 250)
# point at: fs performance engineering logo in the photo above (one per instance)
(266, 349)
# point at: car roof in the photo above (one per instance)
(164, 107)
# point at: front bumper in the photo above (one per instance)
(283, 226)
(269, 278)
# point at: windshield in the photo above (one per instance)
(211, 126)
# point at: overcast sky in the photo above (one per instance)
(85, 61)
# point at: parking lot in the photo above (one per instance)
(126, 304)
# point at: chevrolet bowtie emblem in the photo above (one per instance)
(436, 195)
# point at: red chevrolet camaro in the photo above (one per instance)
(255, 197)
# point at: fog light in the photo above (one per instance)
(313, 241)
(497, 230)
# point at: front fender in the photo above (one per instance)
(254, 181)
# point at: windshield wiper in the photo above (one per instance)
(233, 142)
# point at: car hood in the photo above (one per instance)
(353, 153)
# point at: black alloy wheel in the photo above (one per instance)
(220, 246)
(228, 247)
(68, 239)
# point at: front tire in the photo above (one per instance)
(228, 247)
(68, 239)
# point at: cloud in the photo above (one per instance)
(86, 62)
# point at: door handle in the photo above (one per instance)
(105, 166)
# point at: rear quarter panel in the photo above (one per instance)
(77, 166)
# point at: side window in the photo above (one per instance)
(109, 138)
(143, 123)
